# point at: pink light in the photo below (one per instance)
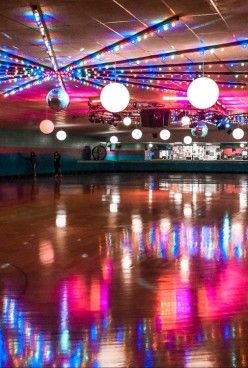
(174, 98)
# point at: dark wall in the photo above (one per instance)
(16, 145)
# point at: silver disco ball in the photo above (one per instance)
(200, 130)
(57, 99)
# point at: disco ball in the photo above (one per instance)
(200, 130)
(57, 99)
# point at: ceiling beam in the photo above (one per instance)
(166, 55)
(116, 46)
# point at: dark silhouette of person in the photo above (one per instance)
(57, 164)
(33, 160)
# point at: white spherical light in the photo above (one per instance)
(61, 135)
(114, 97)
(46, 126)
(113, 139)
(185, 120)
(238, 133)
(164, 134)
(136, 134)
(203, 93)
(127, 121)
(187, 139)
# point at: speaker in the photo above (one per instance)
(154, 118)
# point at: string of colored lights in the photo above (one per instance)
(16, 67)
(21, 87)
(157, 28)
(86, 82)
(172, 54)
(38, 14)
(230, 62)
(156, 73)
(16, 59)
(144, 85)
(130, 80)
(161, 74)
(128, 77)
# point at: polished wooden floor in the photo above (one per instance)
(130, 270)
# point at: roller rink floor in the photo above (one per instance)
(124, 270)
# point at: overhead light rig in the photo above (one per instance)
(163, 76)
(39, 17)
(155, 29)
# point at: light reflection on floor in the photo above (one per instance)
(124, 271)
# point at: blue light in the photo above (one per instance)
(148, 359)
(175, 241)
(93, 333)
(227, 331)
(120, 334)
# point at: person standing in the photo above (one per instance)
(57, 164)
(33, 160)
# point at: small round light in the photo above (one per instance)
(114, 97)
(61, 135)
(46, 126)
(203, 93)
(242, 145)
(165, 134)
(238, 133)
(150, 145)
(136, 134)
(187, 139)
(185, 120)
(127, 121)
(113, 139)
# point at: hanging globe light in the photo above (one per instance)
(185, 120)
(127, 121)
(57, 99)
(165, 134)
(203, 93)
(187, 139)
(46, 126)
(61, 135)
(136, 134)
(200, 130)
(238, 133)
(114, 97)
(113, 139)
